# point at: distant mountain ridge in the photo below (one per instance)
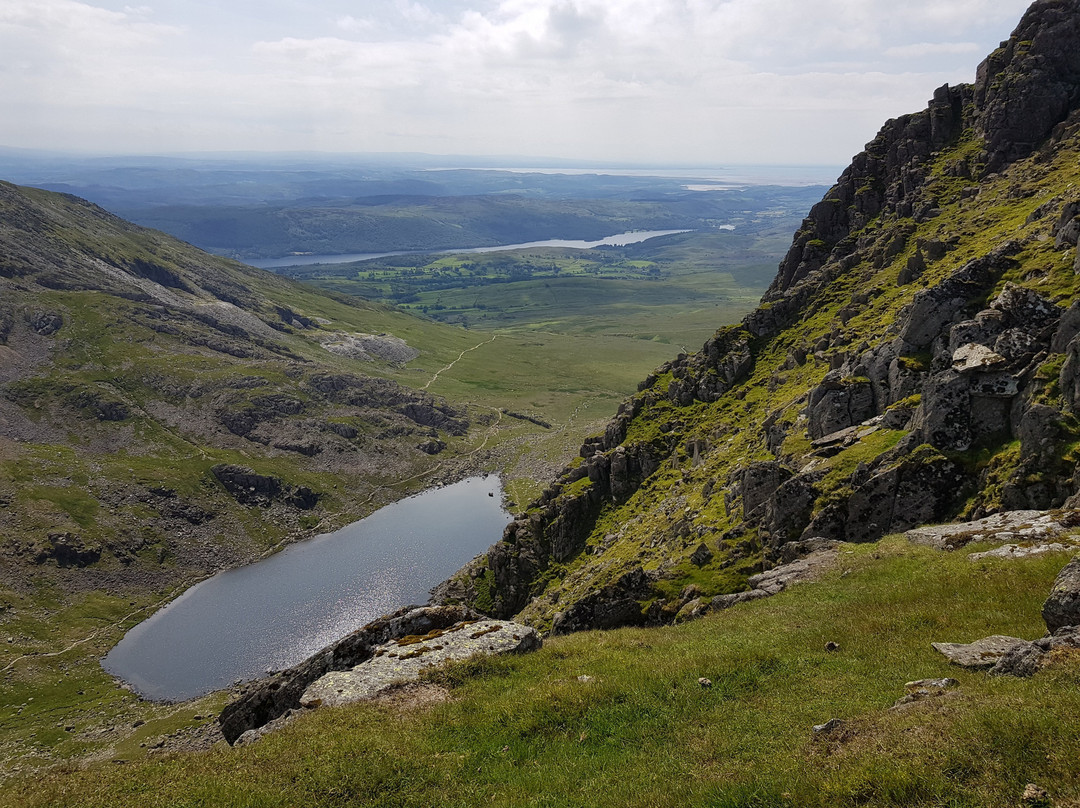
(916, 359)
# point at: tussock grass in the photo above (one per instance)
(642, 732)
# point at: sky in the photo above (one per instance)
(653, 82)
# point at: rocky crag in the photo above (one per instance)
(917, 359)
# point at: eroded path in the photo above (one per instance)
(433, 379)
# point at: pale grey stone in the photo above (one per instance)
(401, 660)
(984, 653)
(974, 357)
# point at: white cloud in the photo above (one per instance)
(637, 79)
(351, 24)
(920, 50)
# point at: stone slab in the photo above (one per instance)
(401, 660)
(984, 653)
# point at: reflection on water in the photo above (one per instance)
(279, 611)
(618, 240)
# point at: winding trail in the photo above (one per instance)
(116, 624)
(432, 380)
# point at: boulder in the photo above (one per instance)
(1062, 608)
(1026, 660)
(614, 605)
(837, 403)
(1039, 432)
(944, 417)
(982, 654)
(68, 550)
(974, 357)
(701, 556)
(759, 482)
(264, 701)
(401, 660)
(1009, 526)
(46, 323)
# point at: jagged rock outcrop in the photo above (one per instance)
(402, 659)
(265, 700)
(250, 488)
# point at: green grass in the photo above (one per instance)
(642, 732)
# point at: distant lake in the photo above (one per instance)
(279, 611)
(618, 240)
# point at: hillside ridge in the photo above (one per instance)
(151, 394)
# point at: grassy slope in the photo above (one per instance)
(527, 731)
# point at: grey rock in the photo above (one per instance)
(701, 556)
(789, 509)
(614, 605)
(46, 323)
(944, 416)
(933, 309)
(1026, 308)
(984, 329)
(433, 446)
(932, 684)
(759, 482)
(1067, 228)
(1014, 551)
(924, 689)
(982, 654)
(917, 489)
(831, 725)
(1026, 660)
(1069, 378)
(974, 357)
(1007, 527)
(837, 403)
(401, 660)
(250, 488)
(1067, 330)
(1039, 432)
(265, 700)
(1062, 607)
(67, 550)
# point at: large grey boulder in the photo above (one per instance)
(264, 701)
(401, 660)
(1062, 608)
(981, 654)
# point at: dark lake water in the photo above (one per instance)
(279, 611)
(618, 240)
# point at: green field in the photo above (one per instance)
(674, 289)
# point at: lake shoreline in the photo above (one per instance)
(306, 260)
(334, 582)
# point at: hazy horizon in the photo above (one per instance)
(689, 82)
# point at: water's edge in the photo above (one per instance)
(276, 612)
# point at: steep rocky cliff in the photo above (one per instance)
(916, 359)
